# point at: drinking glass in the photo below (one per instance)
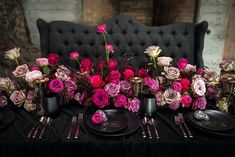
(149, 105)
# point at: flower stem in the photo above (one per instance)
(17, 62)
(106, 51)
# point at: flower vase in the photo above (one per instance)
(51, 105)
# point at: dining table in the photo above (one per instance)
(171, 142)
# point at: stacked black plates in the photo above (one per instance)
(219, 123)
(120, 123)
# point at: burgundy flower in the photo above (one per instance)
(128, 73)
(3, 101)
(100, 98)
(120, 101)
(114, 76)
(142, 72)
(100, 65)
(53, 58)
(113, 64)
(31, 95)
(86, 65)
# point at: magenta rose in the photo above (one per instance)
(74, 55)
(3, 101)
(113, 64)
(42, 62)
(177, 86)
(120, 101)
(86, 65)
(56, 86)
(18, 98)
(114, 76)
(96, 81)
(125, 85)
(128, 73)
(21, 70)
(182, 63)
(142, 72)
(100, 65)
(199, 103)
(174, 105)
(101, 28)
(134, 105)
(70, 85)
(53, 58)
(109, 48)
(35, 68)
(186, 100)
(112, 89)
(151, 83)
(100, 98)
(97, 118)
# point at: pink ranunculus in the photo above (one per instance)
(112, 89)
(62, 73)
(182, 63)
(125, 85)
(177, 86)
(174, 105)
(74, 55)
(109, 48)
(53, 58)
(120, 101)
(101, 28)
(164, 61)
(3, 101)
(114, 76)
(171, 73)
(18, 98)
(171, 96)
(134, 105)
(113, 64)
(21, 70)
(142, 72)
(31, 95)
(33, 75)
(160, 99)
(151, 83)
(86, 65)
(100, 65)
(35, 68)
(199, 86)
(97, 118)
(100, 98)
(96, 81)
(56, 86)
(42, 62)
(70, 85)
(186, 100)
(199, 103)
(128, 73)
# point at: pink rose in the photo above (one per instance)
(35, 68)
(70, 85)
(62, 73)
(112, 89)
(171, 96)
(142, 72)
(112, 64)
(171, 73)
(100, 98)
(74, 55)
(120, 101)
(97, 118)
(101, 28)
(199, 103)
(125, 85)
(114, 76)
(164, 61)
(18, 98)
(56, 86)
(53, 58)
(186, 100)
(86, 65)
(128, 73)
(151, 83)
(182, 63)
(3, 101)
(177, 86)
(109, 48)
(174, 105)
(33, 75)
(96, 81)
(42, 62)
(21, 70)
(100, 65)
(134, 105)
(199, 86)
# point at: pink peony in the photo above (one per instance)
(70, 85)
(33, 75)
(182, 63)
(199, 86)
(120, 101)
(21, 70)
(53, 58)
(56, 86)
(97, 118)
(199, 103)
(86, 65)
(112, 89)
(101, 28)
(186, 100)
(151, 83)
(174, 105)
(114, 76)
(113, 64)
(177, 86)
(128, 73)
(74, 55)
(142, 72)
(171, 73)
(100, 98)
(96, 81)
(134, 105)
(3, 101)
(125, 85)
(164, 61)
(109, 48)
(18, 98)
(42, 62)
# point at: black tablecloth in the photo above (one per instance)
(13, 141)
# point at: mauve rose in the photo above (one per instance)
(100, 65)
(42, 61)
(210, 75)
(96, 81)
(134, 105)
(128, 73)
(109, 47)
(151, 83)
(171, 96)
(101, 28)
(100, 98)
(174, 105)
(18, 98)
(97, 118)
(185, 82)
(3, 101)
(113, 64)
(21, 70)
(176, 86)
(186, 100)
(62, 73)
(33, 75)
(74, 55)
(164, 61)
(120, 101)
(53, 58)
(227, 65)
(70, 85)
(125, 85)
(12, 54)
(142, 72)
(199, 103)
(35, 68)
(160, 98)
(182, 63)
(112, 89)
(56, 86)
(86, 65)
(171, 73)
(199, 86)
(31, 95)
(114, 76)
(6, 84)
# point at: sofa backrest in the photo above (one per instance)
(129, 37)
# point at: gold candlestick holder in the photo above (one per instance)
(137, 86)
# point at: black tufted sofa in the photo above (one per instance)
(127, 35)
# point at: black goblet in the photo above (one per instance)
(149, 105)
(51, 105)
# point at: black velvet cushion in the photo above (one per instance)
(127, 35)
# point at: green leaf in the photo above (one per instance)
(46, 70)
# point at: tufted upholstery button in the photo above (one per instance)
(167, 44)
(123, 31)
(79, 43)
(129, 21)
(91, 44)
(160, 32)
(111, 31)
(173, 32)
(179, 45)
(136, 31)
(116, 21)
(185, 33)
(60, 31)
(129, 43)
(72, 31)
(66, 42)
(148, 32)
(117, 43)
(86, 32)
(142, 43)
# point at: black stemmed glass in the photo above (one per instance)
(149, 108)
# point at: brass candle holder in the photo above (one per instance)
(137, 86)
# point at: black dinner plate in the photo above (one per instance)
(133, 123)
(117, 121)
(218, 121)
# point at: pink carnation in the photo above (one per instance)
(100, 98)
(109, 48)
(186, 100)
(182, 63)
